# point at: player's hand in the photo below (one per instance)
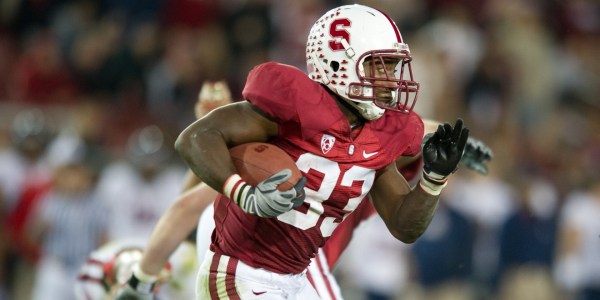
(443, 150)
(212, 95)
(127, 292)
(476, 155)
(139, 285)
(264, 199)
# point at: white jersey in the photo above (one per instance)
(137, 204)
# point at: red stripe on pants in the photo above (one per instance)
(230, 279)
(325, 277)
(212, 276)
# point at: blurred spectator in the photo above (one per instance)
(528, 237)
(139, 187)
(190, 13)
(101, 63)
(443, 255)
(251, 35)
(69, 224)
(173, 82)
(487, 202)
(8, 56)
(487, 89)
(83, 135)
(25, 176)
(578, 261)
(294, 19)
(375, 263)
(40, 76)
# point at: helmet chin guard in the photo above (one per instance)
(350, 38)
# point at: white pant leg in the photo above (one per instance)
(234, 278)
(321, 278)
(206, 225)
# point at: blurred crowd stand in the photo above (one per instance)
(82, 81)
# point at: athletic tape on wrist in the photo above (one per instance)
(142, 282)
(431, 188)
(432, 185)
(237, 189)
(231, 187)
(143, 276)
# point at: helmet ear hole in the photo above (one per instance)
(335, 66)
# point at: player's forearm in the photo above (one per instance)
(190, 181)
(414, 214)
(169, 232)
(172, 229)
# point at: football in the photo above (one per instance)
(256, 162)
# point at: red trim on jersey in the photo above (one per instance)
(212, 276)
(230, 279)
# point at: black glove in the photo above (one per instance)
(129, 292)
(476, 155)
(138, 287)
(443, 150)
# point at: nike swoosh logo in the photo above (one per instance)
(367, 155)
(258, 293)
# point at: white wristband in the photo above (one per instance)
(143, 276)
(431, 188)
(236, 189)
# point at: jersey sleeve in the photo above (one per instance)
(271, 87)
(400, 134)
(415, 133)
(288, 96)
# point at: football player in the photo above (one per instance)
(345, 129)
(198, 199)
(109, 267)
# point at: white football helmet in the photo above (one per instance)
(108, 268)
(342, 40)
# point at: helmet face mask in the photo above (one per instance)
(358, 53)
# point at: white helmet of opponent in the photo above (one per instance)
(342, 40)
(108, 268)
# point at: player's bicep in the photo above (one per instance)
(404, 161)
(389, 186)
(239, 123)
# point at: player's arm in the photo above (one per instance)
(174, 226)
(171, 229)
(205, 144)
(407, 212)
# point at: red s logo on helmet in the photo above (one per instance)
(337, 31)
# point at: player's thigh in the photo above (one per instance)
(223, 277)
(322, 280)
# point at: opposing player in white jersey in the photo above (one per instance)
(345, 129)
(109, 267)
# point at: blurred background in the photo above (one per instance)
(94, 92)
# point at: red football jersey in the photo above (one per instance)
(342, 235)
(340, 169)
